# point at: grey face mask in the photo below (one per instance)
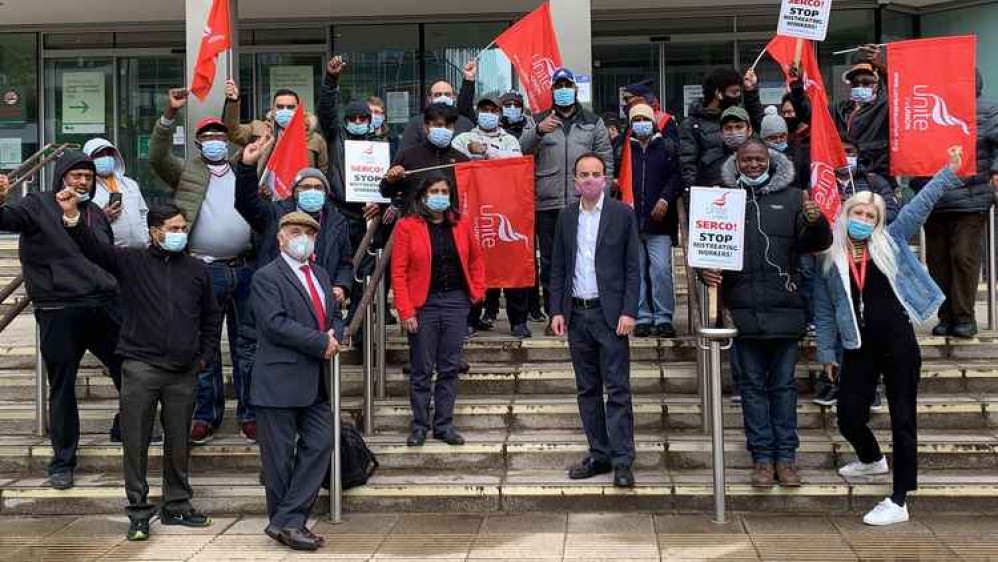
(734, 140)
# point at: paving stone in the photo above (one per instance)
(611, 546)
(696, 524)
(167, 548)
(819, 547)
(610, 523)
(426, 546)
(688, 547)
(517, 523)
(550, 546)
(439, 524)
(778, 524)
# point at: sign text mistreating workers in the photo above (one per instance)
(717, 228)
(366, 163)
(805, 19)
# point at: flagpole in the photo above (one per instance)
(758, 59)
(429, 169)
(854, 49)
(487, 47)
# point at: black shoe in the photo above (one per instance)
(451, 438)
(390, 320)
(537, 316)
(623, 477)
(665, 331)
(942, 329)
(61, 480)
(296, 539)
(272, 532)
(964, 330)
(138, 530)
(828, 396)
(463, 367)
(472, 332)
(490, 316)
(481, 325)
(416, 439)
(189, 518)
(642, 331)
(589, 468)
(521, 331)
(115, 431)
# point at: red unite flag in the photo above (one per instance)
(497, 196)
(215, 39)
(933, 104)
(827, 154)
(289, 156)
(532, 47)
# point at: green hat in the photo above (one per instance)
(735, 113)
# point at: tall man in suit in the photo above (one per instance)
(595, 282)
(294, 307)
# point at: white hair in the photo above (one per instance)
(880, 244)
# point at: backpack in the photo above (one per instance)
(356, 459)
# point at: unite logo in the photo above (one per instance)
(211, 36)
(542, 68)
(925, 108)
(494, 227)
(718, 208)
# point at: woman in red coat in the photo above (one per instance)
(437, 273)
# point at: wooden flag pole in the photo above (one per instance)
(712, 306)
(487, 47)
(798, 51)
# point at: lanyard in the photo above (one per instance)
(859, 276)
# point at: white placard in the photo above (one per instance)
(299, 78)
(365, 163)
(717, 228)
(10, 153)
(691, 92)
(806, 19)
(397, 107)
(179, 136)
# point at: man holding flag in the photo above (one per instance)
(204, 187)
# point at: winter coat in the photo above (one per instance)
(868, 181)
(415, 130)
(702, 152)
(764, 297)
(498, 144)
(866, 125)
(130, 229)
(556, 152)
(655, 175)
(243, 134)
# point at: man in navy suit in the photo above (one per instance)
(296, 313)
(595, 283)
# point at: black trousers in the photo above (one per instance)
(436, 346)
(545, 222)
(953, 253)
(66, 334)
(601, 359)
(517, 304)
(899, 360)
(143, 387)
(295, 449)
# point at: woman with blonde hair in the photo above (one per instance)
(872, 288)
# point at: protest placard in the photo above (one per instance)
(717, 228)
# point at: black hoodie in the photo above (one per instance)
(56, 273)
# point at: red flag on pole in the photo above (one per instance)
(498, 198)
(290, 155)
(626, 176)
(216, 39)
(827, 154)
(532, 47)
(933, 103)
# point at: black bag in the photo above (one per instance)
(357, 462)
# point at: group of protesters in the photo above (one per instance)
(146, 288)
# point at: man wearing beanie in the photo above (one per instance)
(655, 183)
(776, 136)
(75, 301)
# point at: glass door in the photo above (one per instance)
(687, 63)
(617, 64)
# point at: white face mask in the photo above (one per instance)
(300, 247)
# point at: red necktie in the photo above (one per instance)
(320, 312)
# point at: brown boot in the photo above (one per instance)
(762, 475)
(787, 474)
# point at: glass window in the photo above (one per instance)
(662, 28)
(687, 63)
(616, 66)
(299, 72)
(381, 61)
(18, 99)
(150, 39)
(289, 36)
(78, 40)
(143, 83)
(247, 97)
(846, 29)
(450, 46)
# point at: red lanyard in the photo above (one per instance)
(859, 275)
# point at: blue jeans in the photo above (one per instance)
(232, 290)
(658, 299)
(807, 266)
(769, 397)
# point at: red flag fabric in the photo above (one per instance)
(933, 101)
(626, 176)
(498, 197)
(827, 154)
(532, 47)
(289, 156)
(215, 39)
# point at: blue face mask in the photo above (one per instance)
(512, 113)
(437, 202)
(779, 146)
(859, 230)
(440, 136)
(83, 197)
(488, 121)
(862, 94)
(754, 182)
(358, 129)
(377, 121)
(312, 200)
(104, 166)
(214, 150)
(174, 242)
(283, 116)
(564, 97)
(642, 129)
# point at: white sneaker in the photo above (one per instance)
(886, 513)
(858, 468)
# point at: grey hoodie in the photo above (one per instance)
(130, 229)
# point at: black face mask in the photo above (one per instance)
(727, 102)
(792, 123)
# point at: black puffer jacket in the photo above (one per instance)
(702, 151)
(866, 125)
(763, 298)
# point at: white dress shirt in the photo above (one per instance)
(584, 284)
(295, 266)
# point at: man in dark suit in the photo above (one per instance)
(296, 313)
(595, 282)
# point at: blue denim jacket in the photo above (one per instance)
(914, 287)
